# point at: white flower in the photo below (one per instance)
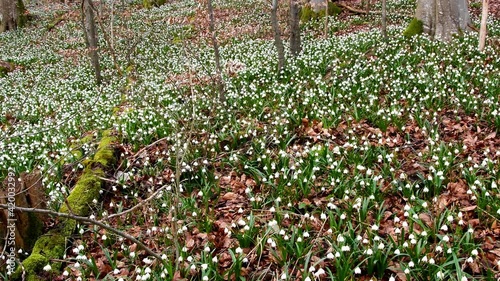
(330, 256)
(320, 272)
(440, 275)
(47, 267)
(238, 250)
(474, 252)
(357, 270)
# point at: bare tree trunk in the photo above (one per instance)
(277, 35)
(326, 19)
(220, 86)
(12, 14)
(483, 30)
(90, 32)
(384, 19)
(295, 47)
(442, 18)
(111, 26)
(368, 6)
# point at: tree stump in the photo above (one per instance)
(24, 191)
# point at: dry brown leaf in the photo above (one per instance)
(469, 208)
(229, 196)
(491, 136)
(426, 218)
(495, 251)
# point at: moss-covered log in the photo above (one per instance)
(52, 244)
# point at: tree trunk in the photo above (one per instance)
(12, 14)
(384, 19)
(443, 18)
(295, 47)
(483, 30)
(23, 191)
(277, 35)
(90, 32)
(218, 67)
(326, 19)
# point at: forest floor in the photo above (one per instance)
(364, 159)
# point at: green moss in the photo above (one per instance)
(307, 13)
(148, 4)
(415, 27)
(22, 18)
(36, 229)
(333, 9)
(86, 189)
(49, 246)
(105, 154)
(475, 5)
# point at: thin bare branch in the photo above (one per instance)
(86, 220)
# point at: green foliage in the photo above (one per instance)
(415, 27)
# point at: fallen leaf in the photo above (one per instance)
(229, 196)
